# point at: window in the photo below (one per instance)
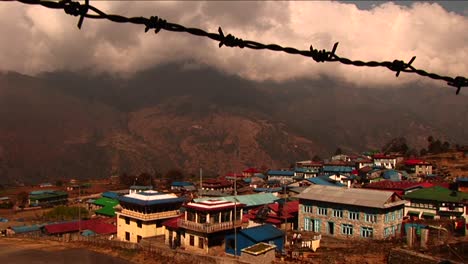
(200, 242)
(127, 220)
(138, 239)
(353, 215)
(367, 231)
(127, 236)
(338, 213)
(307, 208)
(372, 218)
(321, 211)
(192, 240)
(347, 229)
(387, 217)
(139, 223)
(392, 216)
(312, 224)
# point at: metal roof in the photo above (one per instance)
(350, 196)
(262, 233)
(249, 199)
(322, 181)
(280, 173)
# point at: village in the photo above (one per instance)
(409, 207)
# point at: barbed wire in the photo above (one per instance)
(154, 22)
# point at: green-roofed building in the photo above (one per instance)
(47, 198)
(250, 200)
(436, 203)
(106, 206)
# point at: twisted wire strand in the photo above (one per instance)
(154, 22)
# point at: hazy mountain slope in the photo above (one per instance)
(83, 125)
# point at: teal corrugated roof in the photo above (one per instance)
(249, 199)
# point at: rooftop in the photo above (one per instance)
(262, 233)
(213, 204)
(351, 196)
(249, 199)
(439, 194)
(151, 197)
(258, 248)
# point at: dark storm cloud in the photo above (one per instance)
(39, 39)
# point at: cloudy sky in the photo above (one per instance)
(37, 39)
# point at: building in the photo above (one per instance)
(462, 184)
(418, 167)
(350, 212)
(105, 206)
(140, 188)
(141, 214)
(205, 225)
(47, 198)
(436, 203)
(183, 186)
(401, 188)
(250, 236)
(384, 161)
(261, 253)
(280, 214)
(249, 200)
(98, 226)
(281, 176)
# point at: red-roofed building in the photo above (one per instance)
(418, 167)
(250, 172)
(401, 187)
(283, 216)
(99, 226)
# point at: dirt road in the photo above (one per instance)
(18, 251)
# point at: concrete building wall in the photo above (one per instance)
(147, 229)
(199, 245)
(381, 228)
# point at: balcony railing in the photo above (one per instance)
(153, 216)
(454, 209)
(208, 227)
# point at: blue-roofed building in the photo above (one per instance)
(332, 169)
(142, 214)
(182, 186)
(324, 180)
(250, 236)
(27, 230)
(391, 175)
(111, 195)
(281, 176)
(304, 172)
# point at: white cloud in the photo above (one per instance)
(39, 39)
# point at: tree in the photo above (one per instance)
(338, 151)
(396, 145)
(316, 158)
(22, 199)
(423, 152)
(127, 179)
(175, 175)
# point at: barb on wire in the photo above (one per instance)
(76, 9)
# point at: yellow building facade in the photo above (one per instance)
(141, 214)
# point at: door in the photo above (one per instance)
(331, 228)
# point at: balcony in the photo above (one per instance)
(453, 209)
(149, 217)
(207, 227)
